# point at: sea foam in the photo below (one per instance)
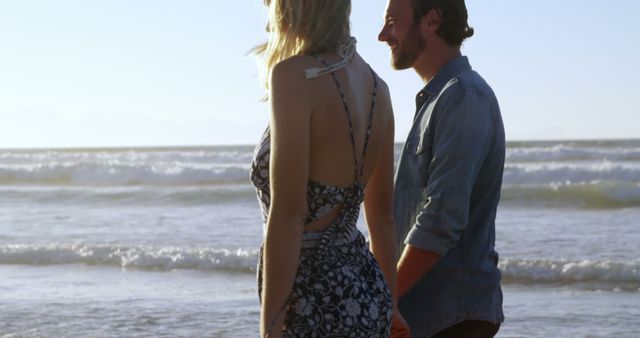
(138, 257)
(570, 271)
(518, 271)
(122, 174)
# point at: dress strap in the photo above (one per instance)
(373, 108)
(346, 109)
(346, 50)
(359, 167)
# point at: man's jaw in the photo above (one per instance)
(393, 48)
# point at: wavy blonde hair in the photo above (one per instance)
(302, 27)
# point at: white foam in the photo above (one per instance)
(595, 194)
(555, 172)
(117, 173)
(565, 271)
(219, 155)
(128, 195)
(139, 257)
(104, 167)
(562, 152)
(240, 260)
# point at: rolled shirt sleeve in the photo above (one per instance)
(462, 135)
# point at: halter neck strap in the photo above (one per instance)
(346, 50)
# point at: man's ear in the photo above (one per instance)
(430, 23)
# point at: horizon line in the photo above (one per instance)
(196, 146)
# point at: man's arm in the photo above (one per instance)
(414, 263)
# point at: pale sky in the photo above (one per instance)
(89, 73)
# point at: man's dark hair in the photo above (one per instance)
(454, 27)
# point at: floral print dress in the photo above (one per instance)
(339, 289)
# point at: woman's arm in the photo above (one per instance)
(289, 174)
(378, 204)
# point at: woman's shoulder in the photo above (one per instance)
(292, 68)
(381, 84)
(382, 88)
(287, 77)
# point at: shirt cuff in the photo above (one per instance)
(425, 240)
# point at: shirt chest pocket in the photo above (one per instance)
(424, 145)
(423, 149)
(424, 137)
(424, 133)
(423, 155)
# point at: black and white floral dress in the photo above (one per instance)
(339, 289)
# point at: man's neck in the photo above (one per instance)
(431, 61)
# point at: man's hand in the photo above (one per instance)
(399, 327)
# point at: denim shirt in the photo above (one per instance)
(447, 188)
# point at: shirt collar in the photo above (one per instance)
(448, 71)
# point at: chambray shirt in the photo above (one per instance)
(447, 188)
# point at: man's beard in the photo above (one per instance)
(408, 50)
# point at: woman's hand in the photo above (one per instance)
(274, 334)
(272, 329)
(399, 327)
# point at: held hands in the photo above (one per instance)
(399, 327)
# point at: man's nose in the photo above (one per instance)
(382, 36)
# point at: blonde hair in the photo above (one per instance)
(302, 27)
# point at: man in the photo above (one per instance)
(448, 178)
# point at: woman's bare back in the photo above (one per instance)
(331, 153)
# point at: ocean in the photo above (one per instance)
(162, 242)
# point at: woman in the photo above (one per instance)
(329, 146)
